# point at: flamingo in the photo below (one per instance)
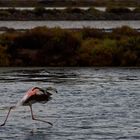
(33, 95)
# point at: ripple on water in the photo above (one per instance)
(92, 103)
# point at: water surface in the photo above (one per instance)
(59, 8)
(91, 104)
(104, 24)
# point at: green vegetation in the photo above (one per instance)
(44, 46)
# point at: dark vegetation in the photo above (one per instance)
(57, 3)
(40, 13)
(89, 3)
(44, 46)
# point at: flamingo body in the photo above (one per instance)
(35, 95)
(32, 96)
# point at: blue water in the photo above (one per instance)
(91, 104)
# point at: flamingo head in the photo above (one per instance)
(51, 90)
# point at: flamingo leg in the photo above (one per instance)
(7, 116)
(37, 119)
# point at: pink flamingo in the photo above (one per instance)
(32, 96)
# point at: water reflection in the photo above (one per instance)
(37, 135)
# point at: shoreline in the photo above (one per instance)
(6, 29)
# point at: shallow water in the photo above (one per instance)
(91, 104)
(60, 8)
(103, 24)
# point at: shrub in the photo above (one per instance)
(136, 10)
(73, 10)
(4, 57)
(85, 52)
(93, 11)
(105, 53)
(60, 49)
(93, 52)
(129, 59)
(88, 32)
(124, 31)
(129, 51)
(39, 11)
(12, 10)
(4, 13)
(118, 10)
(32, 39)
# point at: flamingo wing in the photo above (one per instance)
(36, 95)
